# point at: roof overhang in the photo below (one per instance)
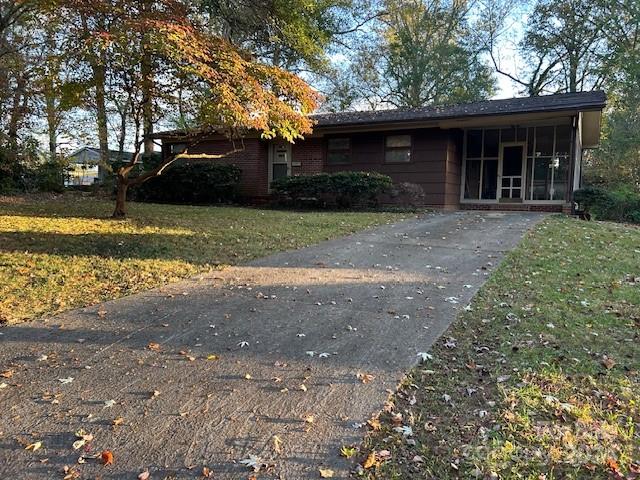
(503, 120)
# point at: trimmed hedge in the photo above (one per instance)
(620, 205)
(343, 189)
(197, 183)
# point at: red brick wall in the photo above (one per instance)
(310, 154)
(252, 159)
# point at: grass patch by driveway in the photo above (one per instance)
(540, 380)
(64, 252)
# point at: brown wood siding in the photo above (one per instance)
(434, 165)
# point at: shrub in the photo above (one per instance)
(198, 183)
(407, 194)
(49, 177)
(343, 189)
(620, 205)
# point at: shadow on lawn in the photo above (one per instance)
(117, 246)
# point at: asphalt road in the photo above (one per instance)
(260, 359)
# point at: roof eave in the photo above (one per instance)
(599, 106)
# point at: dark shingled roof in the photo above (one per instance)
(547, 103)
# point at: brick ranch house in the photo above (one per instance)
(519, 153)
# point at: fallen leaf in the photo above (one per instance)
(7, 374)
(277, 444)
(78, 444)
(374, 423)
(405, 430)
(370, 461)
(252, 461)
(326, 473)
(608, 362)
(154, 347)
(70, 473)
(107, 457)
(383, 455)
(117, 421)
(348, 452)
(213, 356)
(365, 377)
(33, 446)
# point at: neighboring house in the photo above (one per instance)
(520, 153)
(85, 167)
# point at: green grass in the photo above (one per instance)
(543, 381)
(64, 252)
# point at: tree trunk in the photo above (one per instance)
(99, 76)
(121, 197)
(15, 118)
(148, 85)
(52, 124)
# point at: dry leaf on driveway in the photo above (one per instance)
(107, 457)
(365, 377)
(326, 473)
(253, 462)
(34, 446)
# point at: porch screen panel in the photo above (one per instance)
(489, 179)
(472, 179)
(481, 164)
(548, 159)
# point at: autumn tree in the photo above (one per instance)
(229, 88)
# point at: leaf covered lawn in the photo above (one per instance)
(539, 380)
(63, 252)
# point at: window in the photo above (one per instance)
(397, 149)
(338, 151)
(177, 148)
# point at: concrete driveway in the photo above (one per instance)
(261, 359)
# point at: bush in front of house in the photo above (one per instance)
(195, 183)
(342, 189)
(619, 205)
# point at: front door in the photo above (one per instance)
(279, 160)
(512, 163)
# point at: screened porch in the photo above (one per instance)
(517, 164)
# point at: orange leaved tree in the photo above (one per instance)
(229, 89)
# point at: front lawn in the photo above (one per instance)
(540, 380)
(63, 252)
